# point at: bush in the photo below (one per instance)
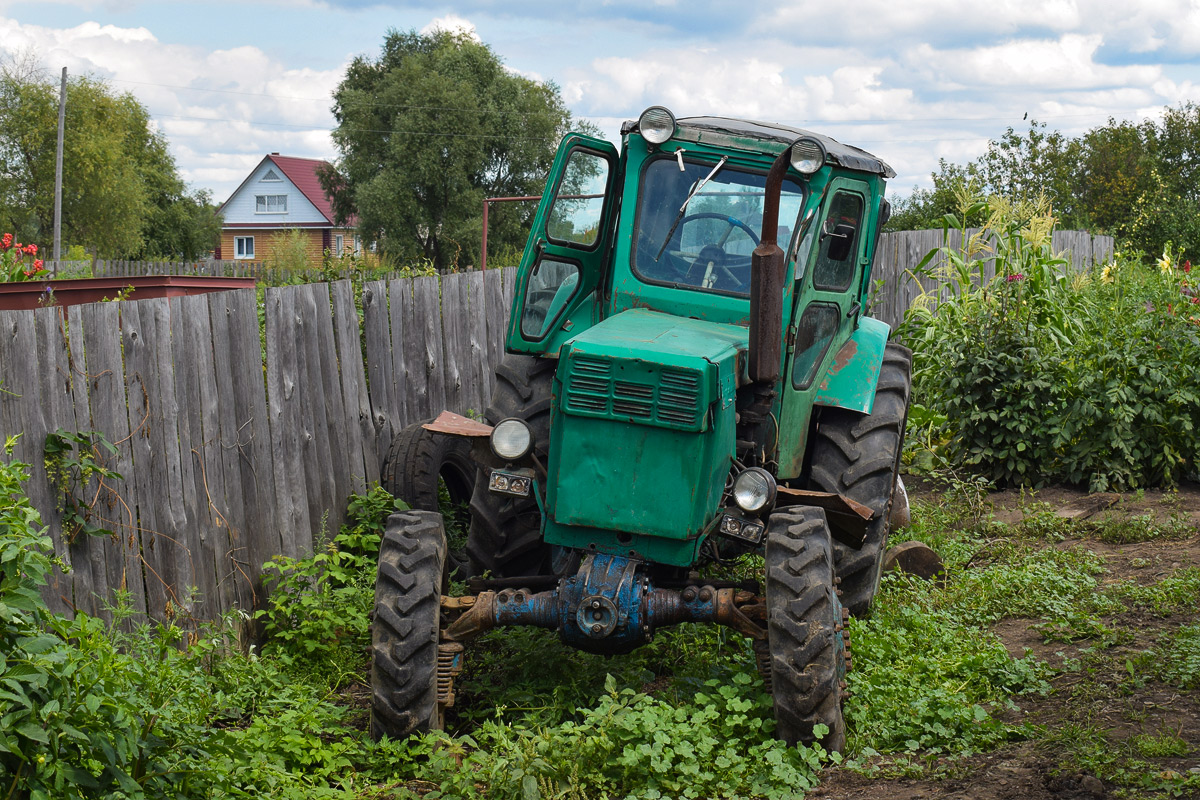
(1042, 376)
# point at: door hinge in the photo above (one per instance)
(791, 338)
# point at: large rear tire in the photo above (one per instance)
(804, 628)
(859, 456)
(406, 626)
(506, 532)
(418, 460)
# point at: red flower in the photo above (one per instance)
(1016, 276)
(6, 242)
(31, 249)
(1195, 300)
(1187, 266)
(37, 265)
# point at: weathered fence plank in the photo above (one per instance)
(283, 402)
(247, 438)
(116, 502)
(477, 367)
(361, 449)
(58, 405)
(379, 361)
(427, 320)
(399, 401)
(456, 309)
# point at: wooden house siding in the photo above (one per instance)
(241, 208)
(318, 240)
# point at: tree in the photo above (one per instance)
(1139, 182)
(122, 195)
(429, 129)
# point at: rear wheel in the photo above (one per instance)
(506, 532)
(806, 641)
(406, 626)
(419, 460)
(420, 463)
(858, 456)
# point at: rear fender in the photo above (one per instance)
(853, 373)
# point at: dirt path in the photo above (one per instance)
(1104, 699)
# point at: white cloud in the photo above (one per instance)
(452, 23)
(222, 110)
(1065, 63)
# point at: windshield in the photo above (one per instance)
(705, 242)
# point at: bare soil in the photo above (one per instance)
(1101, 695)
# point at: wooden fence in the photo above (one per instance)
(234, 447)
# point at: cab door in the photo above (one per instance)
(558, 280)
(829, 271)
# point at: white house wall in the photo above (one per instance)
(240, 207)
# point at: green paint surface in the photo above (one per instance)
(851, 376)
(643, 426)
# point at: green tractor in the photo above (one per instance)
(690, 376)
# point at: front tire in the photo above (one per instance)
(406, 627)
(806, 642)
(859, 456)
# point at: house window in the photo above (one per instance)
(270, 204)
(243, 246)
(339, 241)
(272, 176)
(358, 245)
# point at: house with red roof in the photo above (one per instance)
(280, 194)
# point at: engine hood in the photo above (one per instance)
(650, 368)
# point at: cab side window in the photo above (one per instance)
(834, 268)
(575, 216)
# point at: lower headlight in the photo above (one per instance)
(754, 490)
(511, 439)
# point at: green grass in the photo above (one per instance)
(685, 716)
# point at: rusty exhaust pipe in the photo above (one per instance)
(766, 283)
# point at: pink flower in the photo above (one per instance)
(1016, 276)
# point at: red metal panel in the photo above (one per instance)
(35, 294)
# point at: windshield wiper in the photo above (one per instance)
(696, 187)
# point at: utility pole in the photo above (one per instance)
(58, 155)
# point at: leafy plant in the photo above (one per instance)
(316, 617)
(13, 265)
(76, 467)
(1039, 375)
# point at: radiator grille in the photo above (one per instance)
(634, 391)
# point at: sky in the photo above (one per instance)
(912, 81)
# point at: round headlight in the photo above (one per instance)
(511, 439)
(754, 490)
(656, 124)
(808, 155)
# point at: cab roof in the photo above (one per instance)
(843, 155)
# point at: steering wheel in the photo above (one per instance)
(734, 222)
(710, 267)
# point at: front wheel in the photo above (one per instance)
(406, 627)
(806, 640)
